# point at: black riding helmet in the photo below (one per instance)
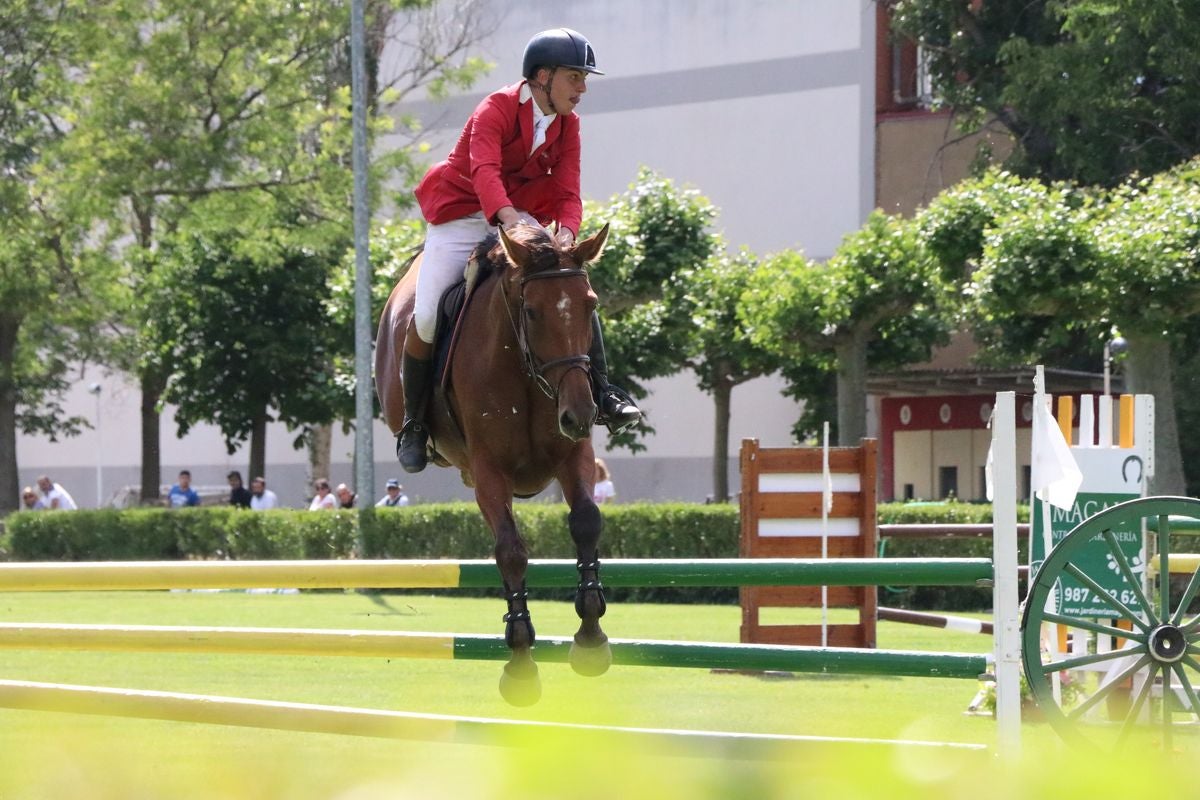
(560, 47)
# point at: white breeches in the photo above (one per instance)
(447, 248)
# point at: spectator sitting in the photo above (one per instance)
(182, 494)
(324, 499)
(394, 496)
(345, 497)
(54, 496)
(239, 495)
(262, 498)
(31, 500)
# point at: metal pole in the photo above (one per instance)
(95, 389)
(364, 451)
(1107, 369)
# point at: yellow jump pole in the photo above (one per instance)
(342, 720)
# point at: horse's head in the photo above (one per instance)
(551, 302)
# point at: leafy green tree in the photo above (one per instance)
(241, 317)
(878, 303)
(53, 274)
(661, 235)
(720, 351)
(1091, 90)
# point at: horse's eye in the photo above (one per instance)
(529, 314)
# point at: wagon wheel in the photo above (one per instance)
(1143, 686)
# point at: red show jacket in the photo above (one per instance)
(491, 167)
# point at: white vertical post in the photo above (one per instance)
(1007, 636)
(826, 507)
(1087, 421)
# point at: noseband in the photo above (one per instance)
(537, 368)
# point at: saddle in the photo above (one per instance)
(451, 311)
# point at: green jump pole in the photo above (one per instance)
(735, 572)
(483, 647)
(449, 574)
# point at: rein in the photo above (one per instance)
(534, 366)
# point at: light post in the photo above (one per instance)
(1112, 347)
(95, 389)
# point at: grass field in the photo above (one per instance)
(69, 755)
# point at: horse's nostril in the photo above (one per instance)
(567, 421)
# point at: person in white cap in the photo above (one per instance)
(394, 496)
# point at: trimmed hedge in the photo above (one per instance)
(456, 530)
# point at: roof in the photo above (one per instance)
(927, 382)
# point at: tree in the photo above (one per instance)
(242, 322)
(52, 273)
(660, 236)
(720, 351)
(1092, 91)
(878, 302)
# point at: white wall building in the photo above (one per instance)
(764, 106)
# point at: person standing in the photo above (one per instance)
(515, 162)
(54, 496)
(603, 491)
(239, 495)
(394, 496)
(182, 495)
(262, 498)
(323, 500)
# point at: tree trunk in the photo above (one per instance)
(1148, 371)
(258, 446)
(152, 385)
(320, 442)
(10, 489)
(722, 400)
(851, 389)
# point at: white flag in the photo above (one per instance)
(1055, 476)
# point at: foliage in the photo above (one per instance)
(1093, 91)
(240, 315)
(659, 239)
(878, 302)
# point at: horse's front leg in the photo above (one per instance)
(590, 653)
(519, 683)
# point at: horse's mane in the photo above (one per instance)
(489, 253)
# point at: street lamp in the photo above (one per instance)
(95, 389)
(1112, 347)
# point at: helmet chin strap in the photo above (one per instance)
(545, 87)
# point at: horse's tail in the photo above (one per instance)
(416, 251)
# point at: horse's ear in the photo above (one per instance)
(590, 248)
(518, 254)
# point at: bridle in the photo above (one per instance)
(534, 366)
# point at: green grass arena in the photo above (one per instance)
(72, 755)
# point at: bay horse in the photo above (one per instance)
(516, 413)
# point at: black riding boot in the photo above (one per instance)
(616, 408)
(414, 436)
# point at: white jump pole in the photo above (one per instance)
(1007, 636)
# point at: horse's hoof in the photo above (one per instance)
(520, 684)
(592, 660)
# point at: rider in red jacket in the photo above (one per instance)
(516, 161)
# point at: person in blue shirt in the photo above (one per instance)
(182, 494)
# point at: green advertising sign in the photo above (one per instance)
(1072, 597)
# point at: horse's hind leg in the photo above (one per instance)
(590, 653)
(519, 683)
